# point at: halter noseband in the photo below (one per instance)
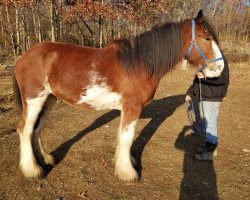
(194, 44)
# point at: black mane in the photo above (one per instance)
(158, 49)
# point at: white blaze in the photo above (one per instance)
(218, 66)
(217, 54)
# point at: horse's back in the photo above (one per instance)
(49, 50)
(66, 69)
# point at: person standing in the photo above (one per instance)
(213, 90)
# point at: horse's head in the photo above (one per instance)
(200, 43)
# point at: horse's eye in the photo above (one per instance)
(208, 38)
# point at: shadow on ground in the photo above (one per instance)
(158, 111)
(199, 179)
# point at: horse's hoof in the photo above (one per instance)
(49, 159)
(31, 172)
(127, 175)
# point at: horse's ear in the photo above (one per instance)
(199, 17)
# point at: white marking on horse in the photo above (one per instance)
(27, 159)
(93, 66)
(123, 165)
(46, 86)
(99, 95)
(215, 71)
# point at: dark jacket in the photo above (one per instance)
(212, 89)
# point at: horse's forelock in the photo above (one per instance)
(211, 29)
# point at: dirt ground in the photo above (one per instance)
(83, 143)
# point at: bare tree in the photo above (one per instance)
(11, 31)
(95, 23)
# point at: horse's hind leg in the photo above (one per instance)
(31, 109)
(123, 159)
(40, 153)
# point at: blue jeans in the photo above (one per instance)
(209, 113)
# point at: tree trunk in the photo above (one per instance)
(39, 28)
(25, 34)
(2, 26)
(34, 22)
(18, 50)
(11, 32)
(113, 30)
(82, 33)
(100, 31)
(52, 20)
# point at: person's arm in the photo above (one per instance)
(221, 80)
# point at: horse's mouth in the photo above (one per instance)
(212, 70)
(211, 73)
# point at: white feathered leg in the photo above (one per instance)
(123, 166)
(28, 163)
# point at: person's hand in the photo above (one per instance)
(188, 98)
(199, 75)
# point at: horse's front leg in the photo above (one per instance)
(123, 165)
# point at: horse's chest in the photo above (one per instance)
(100, 96)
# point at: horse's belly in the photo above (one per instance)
(100, 97)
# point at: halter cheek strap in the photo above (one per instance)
(194, 44)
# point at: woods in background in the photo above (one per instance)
(96, 22)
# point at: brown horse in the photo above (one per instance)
(124, 75)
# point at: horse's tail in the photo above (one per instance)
(17, 94)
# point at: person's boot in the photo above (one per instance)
(206, 154)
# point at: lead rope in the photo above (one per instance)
(189, 108)
(202, 118)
